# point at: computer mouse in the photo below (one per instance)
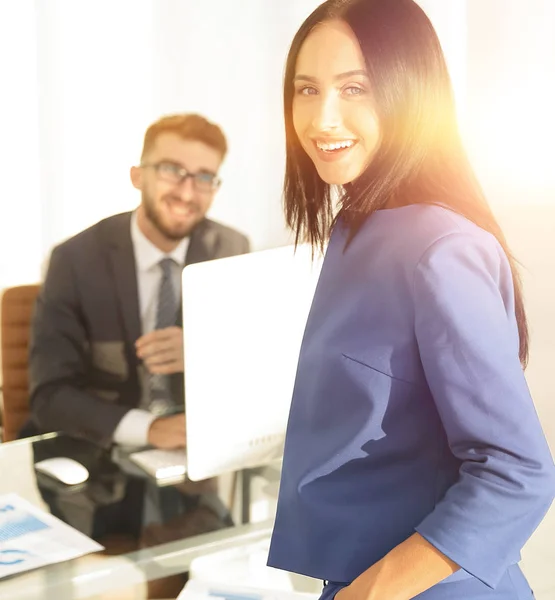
(67, 470)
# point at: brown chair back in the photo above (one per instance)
(17, 310)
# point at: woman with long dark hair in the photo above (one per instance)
(415, 464)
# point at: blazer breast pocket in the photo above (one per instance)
(357, 404)
(374, 393)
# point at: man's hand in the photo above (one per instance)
(161, 351)
(168, 433)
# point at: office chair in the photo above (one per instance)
(17, 307)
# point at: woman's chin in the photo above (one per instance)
(335, 178)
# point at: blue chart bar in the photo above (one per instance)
(20, 524)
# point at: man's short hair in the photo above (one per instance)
(188, 127)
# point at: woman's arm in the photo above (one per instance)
(408, 570)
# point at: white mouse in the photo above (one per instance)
(64, 469)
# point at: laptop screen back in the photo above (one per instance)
(243, 323)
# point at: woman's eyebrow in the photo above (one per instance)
(339, 77)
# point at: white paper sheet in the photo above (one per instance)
(31, 538)
(201, 590)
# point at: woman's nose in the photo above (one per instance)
(328, 113)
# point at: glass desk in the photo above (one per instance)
(125, 575)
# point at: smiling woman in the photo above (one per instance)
(414, 462)
(333, 114)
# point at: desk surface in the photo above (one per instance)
(96, 575)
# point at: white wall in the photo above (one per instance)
(20, 209)
(95, 65)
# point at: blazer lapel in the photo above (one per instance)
(203, 245)
(122, 259)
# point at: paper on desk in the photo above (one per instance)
(201, 590)
(31, 538)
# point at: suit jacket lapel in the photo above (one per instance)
(203, 245)
(117, 237)
(122, 259)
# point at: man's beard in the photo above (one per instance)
(154, 217)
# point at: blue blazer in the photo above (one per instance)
(411, 411)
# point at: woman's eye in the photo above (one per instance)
(307, 91)
(354, 91)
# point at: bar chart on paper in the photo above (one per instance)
(31, 538)
(15, 522)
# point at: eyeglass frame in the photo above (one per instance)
(185, 174)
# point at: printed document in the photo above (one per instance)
(196, 589)
(31, 538)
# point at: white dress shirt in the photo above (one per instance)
(132, 430)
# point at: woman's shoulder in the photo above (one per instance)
(418, 228)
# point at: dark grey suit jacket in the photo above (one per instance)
(83, 369)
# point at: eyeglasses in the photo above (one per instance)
(176, 174)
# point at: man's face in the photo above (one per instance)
(175, 204)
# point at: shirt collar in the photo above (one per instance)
(147, 255)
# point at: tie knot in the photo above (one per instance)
(166, 265)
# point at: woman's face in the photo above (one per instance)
(333, 112)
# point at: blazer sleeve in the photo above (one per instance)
(58, 358)
(468, 342)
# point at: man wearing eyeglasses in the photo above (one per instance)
(106, 358)
(178, 179)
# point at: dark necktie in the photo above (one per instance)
(166, 315)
